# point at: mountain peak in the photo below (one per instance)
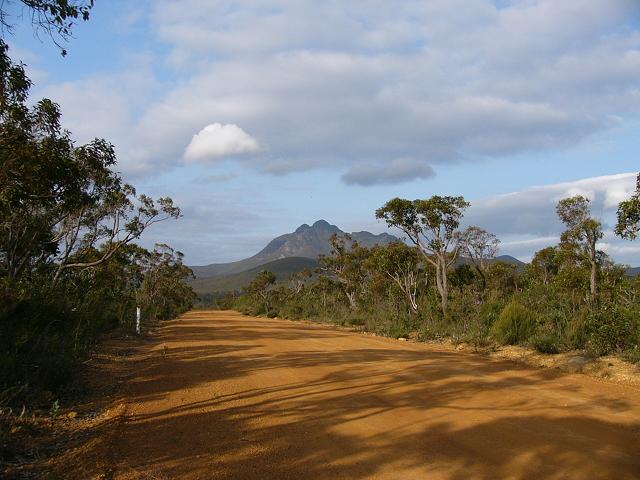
(307, 242)
(322, 224)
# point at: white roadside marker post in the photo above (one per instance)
(138, 320)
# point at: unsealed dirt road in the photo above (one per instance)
(223, 396)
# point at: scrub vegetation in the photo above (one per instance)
(69, 267)
(444, 282)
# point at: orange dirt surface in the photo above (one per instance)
(217, 395)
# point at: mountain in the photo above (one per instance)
(633, 272)
(510, 259)
(307, 241)
(282, 268)
(500, 258)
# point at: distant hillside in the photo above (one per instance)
(510, 259)
(633, 272)
(501, 258)
(282, 268)
(307, 241)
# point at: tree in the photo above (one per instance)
(628, 225)
(163, 292)
(461, 276)
(401, 264)
(347, 264)
(59, 202)
(55, 18)
(259, 287)
(481, 247)
(503, 276)
(545, 264)
(431, 225)
(583, 232)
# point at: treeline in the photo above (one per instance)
(69, 268)
(446, 282)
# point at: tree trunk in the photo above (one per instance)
(594, 280)
(594, 270)
(441, 283)
(352, 299)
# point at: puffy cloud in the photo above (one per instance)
(217, 141)
(397, 171)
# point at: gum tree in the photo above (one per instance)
(58, 201)
(347, 264)
(481, 247)
(400, 263)
(583, 232)
(432, 226)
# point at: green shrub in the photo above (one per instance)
(613, 329)
(356, 321)
(632, 355)
(515, 324)
(546, 343)
(577, 329)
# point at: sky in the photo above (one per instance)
(258, 116)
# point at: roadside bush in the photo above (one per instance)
(515, 324)
(545, 343)
(577, 329)
(613, 329)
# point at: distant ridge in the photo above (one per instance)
(282, 268)
(633, 272)
(306, 241)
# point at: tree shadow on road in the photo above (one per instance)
(385, 410)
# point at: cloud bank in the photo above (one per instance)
(526, 221)
(444, 81)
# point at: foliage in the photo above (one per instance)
(582, 234)
(69, 269)
(260, 289)
(548, 305)
(55, 18)
(432, 226)
(515, 324)
(59, 201)
(347, 265)
(401, 264)
(613, 329)
(628, 225)
(480, 246)
(546, 343)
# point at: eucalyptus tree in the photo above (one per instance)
(260, 287)
(163, 291)
(58, 201)
(347, 264)
(545, 264)
(628, 225)
(401, 264)
(431, 225)
(583, 232)
(481, 247)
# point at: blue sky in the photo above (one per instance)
(259, 116)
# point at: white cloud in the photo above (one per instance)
(217, 141)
